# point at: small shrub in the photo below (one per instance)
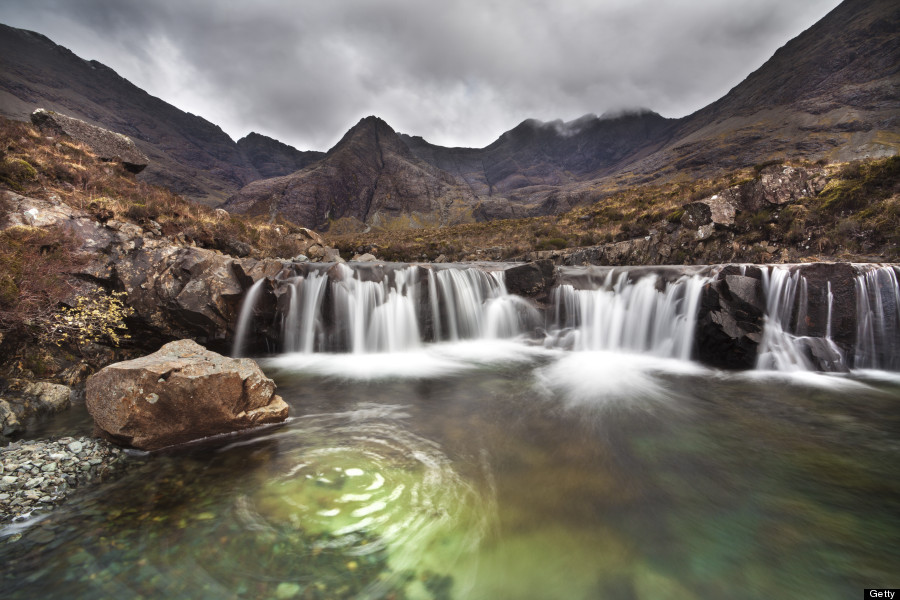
(551, 244)
(100, 318)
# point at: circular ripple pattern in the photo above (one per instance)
(362, 485)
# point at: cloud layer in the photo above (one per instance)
(457, 72)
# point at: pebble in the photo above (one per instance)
(39, 474)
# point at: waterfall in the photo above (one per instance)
(645, 316)
(780, 348)
(245, 318)
(399, 308)
(472, 304)
(377, 316)
(303, 323)
(877, 320)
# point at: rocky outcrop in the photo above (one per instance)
(22, 400)
(107, 145)
(180, 393)
(730, 320)
(733, 308)
(532, 280)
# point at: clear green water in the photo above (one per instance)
(495, 471)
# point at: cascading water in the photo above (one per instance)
(630, 316)
(399, 309)
(245, 318)
(377, 316)
(303, 324)
(877, 320)
(779, 349)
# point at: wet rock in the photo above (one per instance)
(533, 280)
(180, 393)
(730, 320)
(9, 421)
(364, 258)
(106, 144)
(61, 473)
(22, 399)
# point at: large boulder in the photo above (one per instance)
(180, 393)
(107, 145)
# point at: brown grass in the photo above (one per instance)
(31, 164)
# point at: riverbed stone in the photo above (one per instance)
(180, 393)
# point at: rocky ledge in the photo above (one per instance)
(37, 475)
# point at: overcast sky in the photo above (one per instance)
(457, 72)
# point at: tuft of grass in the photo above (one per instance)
(24, 298)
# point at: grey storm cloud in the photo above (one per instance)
(457, 72)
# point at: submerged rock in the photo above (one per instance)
(180, 393)
(65, 465)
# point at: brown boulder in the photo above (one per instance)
(180, 393)
(108, 145)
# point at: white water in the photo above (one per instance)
(630, 316)
(303, 323)
(397, 315)
(245, 318)
(779, 349)
(877, 320)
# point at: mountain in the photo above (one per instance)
(272, 158)
(830, 93)
(188, 154)
(370, 177)
(522, 172)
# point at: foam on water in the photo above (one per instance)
(431, 361)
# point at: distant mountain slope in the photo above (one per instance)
(831, 92)
(188, 154)
(369, 177)
(272, 158)
(536, 153)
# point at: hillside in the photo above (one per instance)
(830, 93)
(188, 154)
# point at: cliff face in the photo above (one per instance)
(187, 154)
(369, 177)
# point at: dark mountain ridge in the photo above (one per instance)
(369, 177)
(187, 153)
